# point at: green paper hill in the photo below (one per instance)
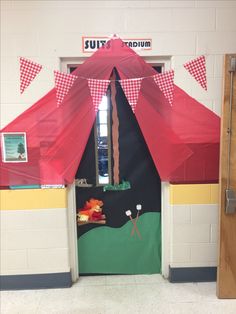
(106, 250)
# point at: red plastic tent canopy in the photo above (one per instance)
(183, 139)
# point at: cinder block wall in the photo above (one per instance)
(45, 31)
(34, 238)
(194, 217)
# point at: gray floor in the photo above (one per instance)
(120, 294)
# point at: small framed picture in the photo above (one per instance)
(14, 147)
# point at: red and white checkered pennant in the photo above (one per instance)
(165, 82)
(28, 71)
(197, 68)
(63, 83)
(131, 89)
(98, 89)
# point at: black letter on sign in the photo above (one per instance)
(103, 42)
(92, 44)
(86, 44)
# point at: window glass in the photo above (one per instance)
(104, 104)
(103, 116)
(102, 142)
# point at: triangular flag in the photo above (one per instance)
(165, 82)
(28, 71)
(197, 68)
(63, 83)
(131, 89)
(98, 89)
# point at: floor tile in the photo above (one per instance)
(90, 281)
(22, 301)
(148, 279)
(139, 294)
(120, 279)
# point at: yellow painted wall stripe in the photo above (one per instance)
(194, 194)
(33, 199)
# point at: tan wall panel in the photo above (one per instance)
(33, 199)
(194, 194)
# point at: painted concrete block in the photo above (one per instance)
(13, 260)
(218, 66)
(214, 233)
(178, 43)
(220, 42)
(190, 194)
(33, 199)
(204, 252)
(194, 233)
(181, 214)
(37, 219)
(172, 4)
(217, 107)
(155, 19)
(215, 193)
(193, 19)
(204, 213)
(53, 259)
(34, 239)
(181, 253)
(215, 3)
(19, 44)
(225, 19)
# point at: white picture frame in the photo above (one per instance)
(14, 147)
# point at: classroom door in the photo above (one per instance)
(226, 277)
(124, 244)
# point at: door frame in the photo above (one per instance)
(72, 232)
(165, 204)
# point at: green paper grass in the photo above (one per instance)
(125, 185)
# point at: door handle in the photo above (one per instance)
(230, 207)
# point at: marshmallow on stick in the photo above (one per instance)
(129, 214)
(139, 208)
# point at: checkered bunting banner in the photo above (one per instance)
(197, 68)
(28, 71)
(63, 83)
(131, 89)
(98, 89)
(165, 82)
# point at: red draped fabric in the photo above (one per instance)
(183, 139)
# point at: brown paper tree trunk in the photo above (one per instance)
(115, 132)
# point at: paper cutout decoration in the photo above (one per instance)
(98, 89)
(139, 208)
(63, 83)
(125, 185)
(165, 82)
(129, 214)
(131, 89)
(28, 71)
(197, 68)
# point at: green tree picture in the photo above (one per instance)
(21, 150)
(14, 147)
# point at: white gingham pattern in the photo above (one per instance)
(97, 89)
(28, 71)
(63, 83)
(131, 89)
(165, 82)
(197, 68)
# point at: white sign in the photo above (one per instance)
(14, 147)
(91, 44)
